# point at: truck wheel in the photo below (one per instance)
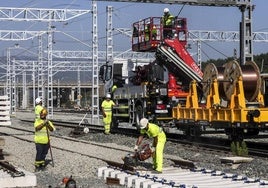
(192, 131)
(138, 114)
(114, 123)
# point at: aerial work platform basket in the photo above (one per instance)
(149, 32)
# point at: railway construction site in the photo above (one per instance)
(94, 159)
(209, 121)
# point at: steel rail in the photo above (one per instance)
(212, 143)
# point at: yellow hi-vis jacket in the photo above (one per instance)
(154, 131)
(107, 106)
(41, 136)
(38, 108)
(167, 20)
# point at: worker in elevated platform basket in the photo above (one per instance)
(147, 32)
(114, 87)
(43, 127)
(167, 23)
(150, 31)
(159, 140)
(38, 108)
(106, 107)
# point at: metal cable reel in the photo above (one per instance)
(251, 79)
(211, 72)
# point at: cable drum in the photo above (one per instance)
(251, 79)
(210, 73)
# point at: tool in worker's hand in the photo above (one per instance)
(144, 152)
(68, 182)
(52, 160)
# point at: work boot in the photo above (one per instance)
(37, 168)
(43, 168)
(156, 172)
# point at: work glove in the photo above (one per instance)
(46, 122)
(136, 148)
(152, 148)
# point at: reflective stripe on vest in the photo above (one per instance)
(107, 105)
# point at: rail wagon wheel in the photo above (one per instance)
(251, 132)
(193, 131)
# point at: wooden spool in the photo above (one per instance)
(211, 72)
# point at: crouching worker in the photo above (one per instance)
(42, 140)
(159, 140)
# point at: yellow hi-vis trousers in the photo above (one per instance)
(159, 150)
(107, 122)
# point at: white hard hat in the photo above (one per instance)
(38, 100)
(108, 95)
(143, 123)
(166, 10)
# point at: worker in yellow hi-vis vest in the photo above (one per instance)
(159, 139)
(42, 127)
(167, 23)
(106, 107)
(38, 108)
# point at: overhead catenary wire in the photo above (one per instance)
(203, 42)
(180, 10)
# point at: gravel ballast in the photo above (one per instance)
(84, 169)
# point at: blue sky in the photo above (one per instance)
(199, 18)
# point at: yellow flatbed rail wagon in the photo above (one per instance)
(233, 101)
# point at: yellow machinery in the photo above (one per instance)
(233, 100)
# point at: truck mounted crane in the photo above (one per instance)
(157, 87)
(169, 89)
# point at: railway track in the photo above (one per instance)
(132, 177)
(27, 136)
(218, 144)
(63, 143)
(72, 147)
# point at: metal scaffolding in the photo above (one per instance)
(109, 45)
(43, 15)
(40, 71)
(45, 65)
(8, 35)
(95, 66)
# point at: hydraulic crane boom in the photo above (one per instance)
(246, 45)
(178, 61)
